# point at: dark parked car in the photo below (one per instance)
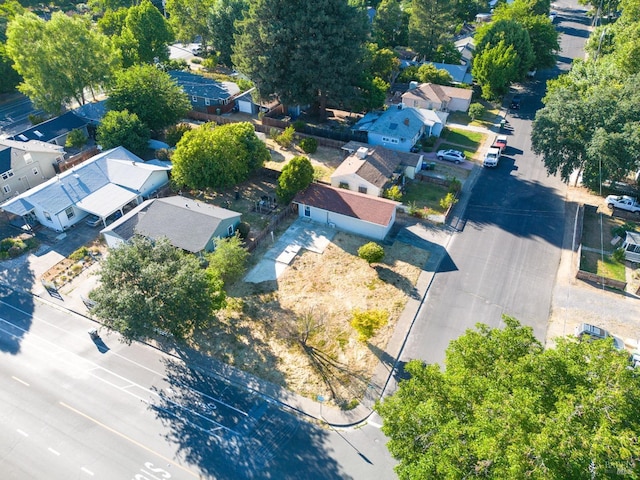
(515, 102)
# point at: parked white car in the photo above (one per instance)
(623, 202)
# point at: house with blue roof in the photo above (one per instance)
(101, 186)
(24, 165)
(206, 94)
(54, 130)
(400, 127)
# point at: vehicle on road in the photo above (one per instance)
(586, 331)
(93, 221)
(623, 202)
(515, 102)
(492, 157)
(500, 142)
(451, 155)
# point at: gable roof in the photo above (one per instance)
(51, 129)
(199, 86)
(118, 166)
(378, 166)
(401, 122)
(435, 92)
(345, 202)
(459, 73)
(32, 146)
(188, 224)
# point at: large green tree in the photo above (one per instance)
(9, 78)
(296, 175)
(223, 18)
(431, 25)
(121, 128)
(506, 408)
(151, 31)
(59, 60)
(494, 68)
(303, 52)
(149, 93)
(513, 34)
(229, 259)
(391, 24)
(218, 156)
(149, 286)
(189, 19)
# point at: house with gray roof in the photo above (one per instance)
(372, 170)
(400, 127)
(190, 225)
(206, 94)
(24, 165)
(54, 130)
(352, 212)
(437, 97)
(102, 186)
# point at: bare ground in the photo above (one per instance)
(296, 332)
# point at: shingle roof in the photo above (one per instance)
(52, 129)
(5, 159)
(379, 165)
(345, 202)
(188, 224)
(432, 91)
(199, 86)
(398, 122)
(32, 146)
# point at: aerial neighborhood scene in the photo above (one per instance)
(332, 239)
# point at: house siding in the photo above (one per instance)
(347, 224)
(24, 176)
(355, 182)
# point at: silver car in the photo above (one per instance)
(451, 155)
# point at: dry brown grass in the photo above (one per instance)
(296, 332)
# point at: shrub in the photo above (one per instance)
(368, 323)
(428, 142)
(448, 201)
(163, 154)
(274, 133)
(244, 84)
(76, 139)
(476, 110)
(621, 230)
(196, 60)
(308, 145)
(76, 268)
(285, 139)
(393, 193)
(36, 119)
(79, 254)
(211, 62)
(299, 125)
(371, 252)
(618, 255)
(243, 230)
(174, 133)
(455, 185)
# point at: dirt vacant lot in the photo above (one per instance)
(296, 331)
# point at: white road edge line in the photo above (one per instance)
(87, 471)
(21, 381)
(55, 452)
(22, 432)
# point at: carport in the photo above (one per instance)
(108, 200)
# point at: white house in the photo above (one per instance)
(24, 165)
(400, 127)
(437, 97)
(371, 170)
(352, 212)
(102, 185)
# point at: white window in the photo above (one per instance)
(70, 213)
(207, 101)
(47, 216)
(7, 175)
(6, 188)
(362, 189)
(307, 211)
(230, 230)
(28, 158)
(194, 99)
(36, 171)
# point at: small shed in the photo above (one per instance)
(631, 246)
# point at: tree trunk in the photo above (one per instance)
(322, 106)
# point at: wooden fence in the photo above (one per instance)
(599, 279)
(77, 159)
(274, 221)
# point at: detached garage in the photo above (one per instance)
(352, 212)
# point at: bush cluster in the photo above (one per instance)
(308, 145)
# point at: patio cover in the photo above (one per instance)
(106, 200)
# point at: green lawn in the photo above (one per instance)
(593, 262)
(425, 195)
(472, 140)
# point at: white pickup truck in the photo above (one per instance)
(623, 202)
(492, 157)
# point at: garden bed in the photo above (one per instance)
(70, 267)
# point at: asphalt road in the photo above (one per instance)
(14, 113)
(76, 408)
(505, 258)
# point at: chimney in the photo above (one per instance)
(362, 152)
(406, 121)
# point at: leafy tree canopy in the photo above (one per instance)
(506, 408)
(151, 31)
(121, 128)
(9, 78)
(428, 73)
(223, 18)
(431, 24)
(229, 259)
(148, 286)
(494, 68)
(218, 156)
(189, 19)
(149, 93)
(391, 24)
(302, 52)
(296, 175)
(512, 34)
(59, 59)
